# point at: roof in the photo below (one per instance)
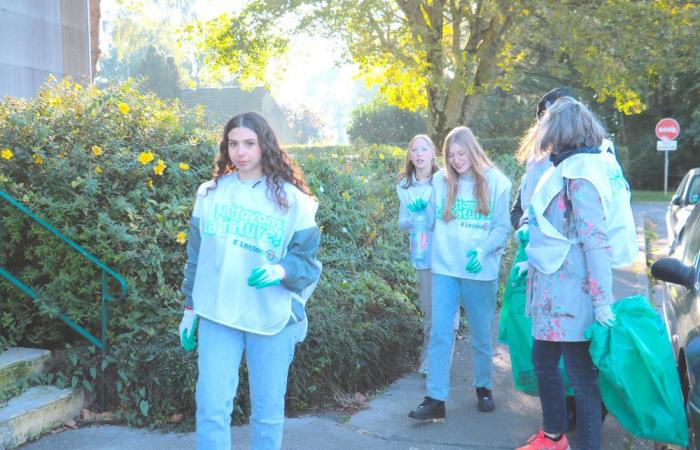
(223, 103)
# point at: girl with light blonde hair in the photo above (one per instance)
(469, 214)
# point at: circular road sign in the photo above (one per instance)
(667, 129)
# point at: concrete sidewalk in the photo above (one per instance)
(385, 425)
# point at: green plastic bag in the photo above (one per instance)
(515, 330)
(637, 372)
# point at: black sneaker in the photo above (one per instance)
(485, 403)
(430, 409)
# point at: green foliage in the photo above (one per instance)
(76, 164)
(160, 74)
(381, 123)
(305, 124)
(90, 162)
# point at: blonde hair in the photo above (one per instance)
(409, 168)
(528, 150)
(479, 164)
(568, 124)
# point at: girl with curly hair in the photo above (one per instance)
(251, 266)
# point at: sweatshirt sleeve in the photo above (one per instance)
(500, 230)
(589, 221)
(300, 263)
(193, 243)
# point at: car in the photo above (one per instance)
(680, 305)
(682, 204)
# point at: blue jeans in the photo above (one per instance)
(583, 378)
(268, 359)
(479, 300)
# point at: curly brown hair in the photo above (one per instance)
(277, 166)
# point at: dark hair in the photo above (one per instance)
(550, 97)
(277, 166)
(406, 175)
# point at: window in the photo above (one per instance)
(694, 190)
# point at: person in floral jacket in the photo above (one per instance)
(569, 271)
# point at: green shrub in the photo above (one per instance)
(380, 123)
(364, 326)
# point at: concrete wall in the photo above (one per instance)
(42, 37)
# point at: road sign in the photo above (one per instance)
(667, 129)
(665, 146)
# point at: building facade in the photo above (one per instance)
(42, 37)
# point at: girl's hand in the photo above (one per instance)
(187, 328)
(522, 234)
(522, 268)
(417, 205)
(476, 257)
(604, 315)
(266, 275)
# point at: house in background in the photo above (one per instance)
(220, 104)
(42, 37)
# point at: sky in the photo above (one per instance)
(311, 77)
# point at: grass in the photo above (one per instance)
(651, 196)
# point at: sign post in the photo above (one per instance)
(667, 131)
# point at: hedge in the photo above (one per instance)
(116, 171)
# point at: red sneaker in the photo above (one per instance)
(540, 441)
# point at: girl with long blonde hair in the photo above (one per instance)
(469, 213)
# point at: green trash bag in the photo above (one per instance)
(515, 330)
(637, 374)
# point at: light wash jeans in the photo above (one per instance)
(479, 300)
(268, 359)
(425, 284)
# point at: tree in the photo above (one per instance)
(443, 55)
(306, 125)
(381, 123)
(434, 55)
(160, 74)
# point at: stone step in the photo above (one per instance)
(39, 409)
(18, 362)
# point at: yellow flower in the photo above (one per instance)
(55, 101)
(62, 155)
(38, 159)
(123, 108)
(97, 150)
(7, 153)
(98, 170)
(381, 156)
(346, 196)
(184, 166)
(181, 237)
(159, 168)
(150, 183)
(145, 157)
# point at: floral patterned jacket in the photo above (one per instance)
(561, 304)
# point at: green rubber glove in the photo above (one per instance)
(187, 330)
(475, 258)
(417, 205)
(266, 275)
(522, 234)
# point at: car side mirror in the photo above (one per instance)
(676, 200)
(672, 270)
